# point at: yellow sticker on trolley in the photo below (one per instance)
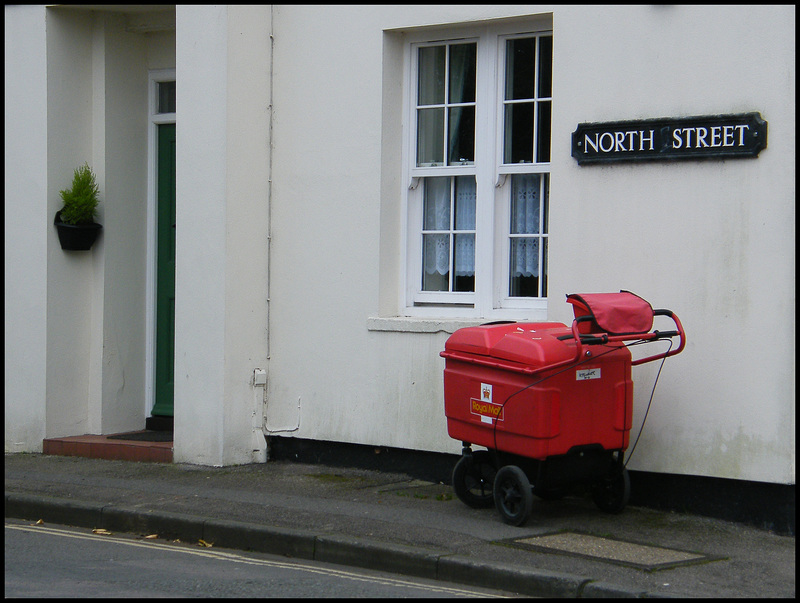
(484, 407)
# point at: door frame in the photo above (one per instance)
(154, 120)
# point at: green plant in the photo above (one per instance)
(80, 201)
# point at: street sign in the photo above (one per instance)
(670, 138)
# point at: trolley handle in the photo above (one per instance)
(600, 339)
(664, 334)
(586, 339)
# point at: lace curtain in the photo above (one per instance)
(437, 210)
(438, 205)
(525, 201)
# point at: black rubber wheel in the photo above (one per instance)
(473, 479)
(612, 493)
(512, 495)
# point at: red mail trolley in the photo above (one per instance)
(551, 404)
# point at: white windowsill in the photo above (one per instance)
(409, 324)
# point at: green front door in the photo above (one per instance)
(165, 273)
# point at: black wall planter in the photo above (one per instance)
(76, 237)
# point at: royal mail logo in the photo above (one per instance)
(486, 409)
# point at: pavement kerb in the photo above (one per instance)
(304, 544)
(604, 590)
(294, 543)
(55, 510)
(382, 556)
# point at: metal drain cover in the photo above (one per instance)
(611, 550)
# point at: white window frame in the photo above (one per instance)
(493, 185)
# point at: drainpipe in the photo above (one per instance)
(269, 181)
(260, 377)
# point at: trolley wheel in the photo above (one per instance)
(473, 479)
(512, 495)
(612, 493)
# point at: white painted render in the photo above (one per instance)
(221, 248)
(289, 241)
(79, 95)
(27, 229)
(714, 241)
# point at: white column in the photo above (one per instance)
(222, 74)
(201, 166)
(27, 224)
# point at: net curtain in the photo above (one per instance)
(525, 202)
(437, 213)
(525, 219)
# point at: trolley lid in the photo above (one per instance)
(531, 344)
(622, 313)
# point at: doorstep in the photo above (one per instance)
(102, 447)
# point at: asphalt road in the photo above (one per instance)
(55, 561)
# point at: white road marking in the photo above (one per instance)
(237, 558)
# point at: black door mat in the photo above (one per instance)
(159, 423)
(144, 436)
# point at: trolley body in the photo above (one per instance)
(553, 405)
(499, 392)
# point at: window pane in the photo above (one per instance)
(518, 133)
(524, 267)
(464, 262)
(461, 138)
(436, 210)
(525, 192)
(543, 134)
(528, 217)
(520, 68)
(166, 97)
(544, 268)
(446, 113)
(462, 73)
(546, 202)
(465, 203)
(431, 75)
(430, 137)
(448, 236)
(436, 262)
(545, 66)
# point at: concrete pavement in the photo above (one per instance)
(392, 522)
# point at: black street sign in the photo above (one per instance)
(670, 138)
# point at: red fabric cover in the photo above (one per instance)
(620, 313)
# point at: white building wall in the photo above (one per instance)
(304, 278)
(124, 159)
(76, 92)
(714, 240)
(74, 322)
(337, 373)
(27, 225)
(97, 97)
(221, 246)
(201, 70)
(247, 243)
